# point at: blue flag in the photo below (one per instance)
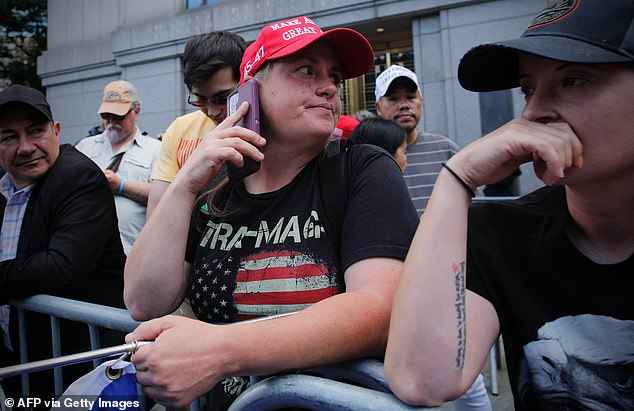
(110, 386)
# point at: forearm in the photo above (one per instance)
(426, 351)
(134, 190)
(430, 357)
(340, 328)
(157, 189)
(350, 325)
(155, 276)
(343, 327)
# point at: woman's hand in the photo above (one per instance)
(227, 142)
(169, 370)
(552, 147)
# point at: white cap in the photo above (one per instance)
(384, 79)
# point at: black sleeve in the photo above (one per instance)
(502, 233)
(481, 247)
(69, 227)
(380, 218)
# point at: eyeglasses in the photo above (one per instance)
(198, 101)
(114, 117)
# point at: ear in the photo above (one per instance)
(57, 127)
(377, 107)
(247, 78)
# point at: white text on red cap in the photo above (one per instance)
(288, 23)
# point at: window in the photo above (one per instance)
(192, 4)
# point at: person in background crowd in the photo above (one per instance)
(385, 134)
(125, 155)
(211, 69)
(345, 126)
(553, 271)
(363, 114)
(398, 99)
(256, 246)
(59, 236)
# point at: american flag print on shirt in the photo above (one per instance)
(276, 283)
(264, 283)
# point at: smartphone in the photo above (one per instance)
(247, 92)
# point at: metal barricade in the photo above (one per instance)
(354, 385)
(93, 315)
(314, 393)
(351, 385)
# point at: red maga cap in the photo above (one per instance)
(345, 126)
(286, 37)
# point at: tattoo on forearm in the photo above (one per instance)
(461, 313)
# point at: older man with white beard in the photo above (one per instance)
(126, 156)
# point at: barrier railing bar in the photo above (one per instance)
(94, 342)
(24, 355)
(57, 351)
(495, 198)
(57, 308)
(89, 313)
(71, 359)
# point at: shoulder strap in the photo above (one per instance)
(334, 180)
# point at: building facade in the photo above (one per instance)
(93, 42)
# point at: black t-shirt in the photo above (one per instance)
(270, 254)
(565, 320)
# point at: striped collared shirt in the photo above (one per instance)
(14, 210)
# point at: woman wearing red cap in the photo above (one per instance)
(256, 247)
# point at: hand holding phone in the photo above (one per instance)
(247, 92)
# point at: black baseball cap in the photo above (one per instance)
(575, 31)
(17, 93)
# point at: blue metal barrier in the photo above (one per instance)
(314, 393)
(366, 373)
(354, 385)
(93, 315)
(494, 198)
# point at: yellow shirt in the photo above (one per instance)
(179, 141)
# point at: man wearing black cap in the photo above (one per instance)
(552, 271)
(58, 235)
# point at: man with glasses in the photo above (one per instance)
(211, 69)
(126, 156)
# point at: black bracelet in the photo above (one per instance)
(460, 180)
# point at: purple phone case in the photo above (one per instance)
(247, 92)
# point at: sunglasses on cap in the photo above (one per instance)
(114, 117)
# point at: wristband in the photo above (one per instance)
(460, 180)
(121, 186)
